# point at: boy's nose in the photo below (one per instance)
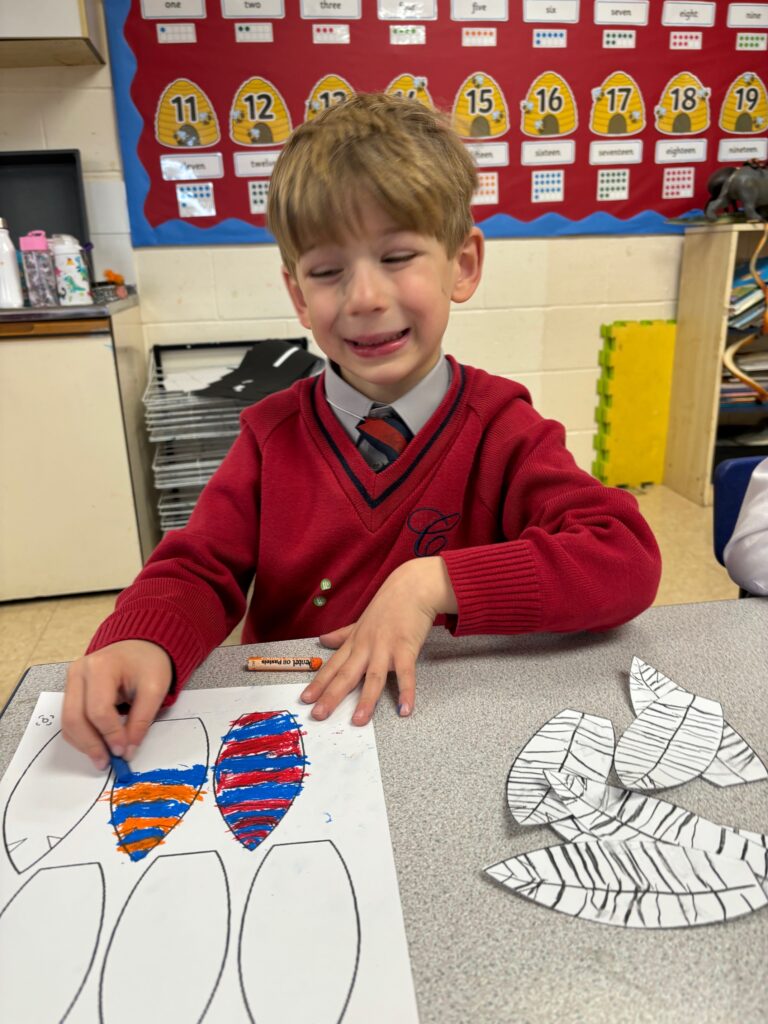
(365, 291)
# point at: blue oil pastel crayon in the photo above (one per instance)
(120, 767)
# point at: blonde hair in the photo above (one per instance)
(396, 152)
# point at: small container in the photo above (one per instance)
(39, 271)
(11, 296)
(72, 280)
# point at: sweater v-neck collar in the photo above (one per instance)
(375, 488)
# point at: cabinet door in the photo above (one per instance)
(67, 518)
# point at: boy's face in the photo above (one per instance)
(378, 303)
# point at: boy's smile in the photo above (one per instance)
(378, 301)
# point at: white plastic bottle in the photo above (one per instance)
(11, 295)
(72, 279)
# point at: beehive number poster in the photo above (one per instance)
(583, 116)
(242, 871)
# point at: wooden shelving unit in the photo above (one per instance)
(710, 254)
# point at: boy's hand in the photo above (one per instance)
(133, 671)
(387, 636)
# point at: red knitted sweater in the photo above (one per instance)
(531, 542)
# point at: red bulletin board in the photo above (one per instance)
(606, 116)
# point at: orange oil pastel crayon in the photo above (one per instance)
(284, 664)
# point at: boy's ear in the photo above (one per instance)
(297, 298)
(469, 266)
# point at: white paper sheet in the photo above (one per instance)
(174, 937)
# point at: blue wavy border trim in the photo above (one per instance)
(237, 232)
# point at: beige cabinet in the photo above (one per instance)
(49, 33)
(710, 254)
(68, 520)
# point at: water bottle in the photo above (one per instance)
(11, 296)
(72, 280)
(39, 271)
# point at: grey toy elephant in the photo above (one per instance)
(745, 186)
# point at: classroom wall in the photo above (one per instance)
(536, 316)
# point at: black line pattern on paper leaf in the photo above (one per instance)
(38, 942)
(608, 813)
(573, 742)
(735, 761)
(641, 885)
(672, 741)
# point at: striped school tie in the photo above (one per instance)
(382, 436)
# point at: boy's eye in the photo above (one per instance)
(399, 257)
(324, 272)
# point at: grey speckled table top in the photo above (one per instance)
(478, 953)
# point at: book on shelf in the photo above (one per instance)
(744, 291)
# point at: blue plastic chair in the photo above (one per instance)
(731, 480)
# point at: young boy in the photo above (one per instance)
(396, 491)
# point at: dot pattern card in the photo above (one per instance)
(548, 186)
(487, 191)
(257, 196)
(478, 37)
(685, 40)
(550, 38)
(253, 32)
(678, 183)
(196, 200)
(612, 184)
(619, 39)
(178, 32)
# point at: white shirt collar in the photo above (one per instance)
(415, 407)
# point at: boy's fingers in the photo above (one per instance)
(324, 677)
(375, 680)
(405, 667)
(100, 710)
(345, 680)
(75, 726)
(337, 637)
(146, 704)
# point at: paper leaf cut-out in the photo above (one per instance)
(305, 885)
(151, 801)
(167, 949)
(647, 684)
(572, 742)
(672, 741)
(37, 933)
(608, 813)
(51, 797)
(639, 885)
(735, 761)
(259, 773)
